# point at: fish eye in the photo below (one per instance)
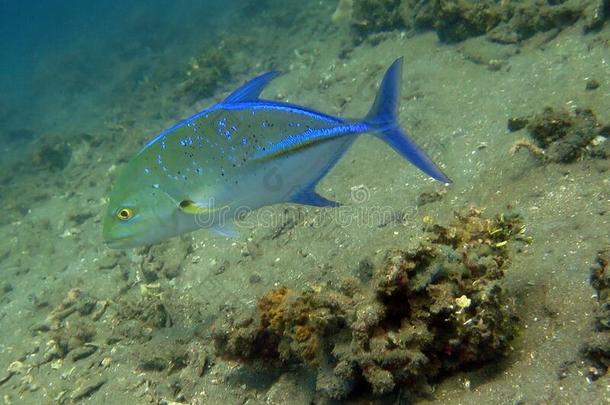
(124, 214)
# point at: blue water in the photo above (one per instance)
(62, 65)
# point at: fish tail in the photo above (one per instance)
(383, 120)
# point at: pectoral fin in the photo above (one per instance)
(191, 207)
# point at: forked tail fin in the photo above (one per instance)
(383, 119)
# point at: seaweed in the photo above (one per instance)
(426, 312)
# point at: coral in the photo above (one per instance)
(563, 136)
(597, 348)
(425, 312)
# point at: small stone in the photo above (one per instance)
(516, 124)
(83, 352)
(7, 287)
(153, 364)
(16, 367)
(592, 84)
(222, 268)
(255, 278)
(106, 361)
(88, 388)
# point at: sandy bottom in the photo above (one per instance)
(137, 305)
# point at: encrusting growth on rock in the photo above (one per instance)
(426, 311)
(562, 136)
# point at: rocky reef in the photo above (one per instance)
(597, 348)
(425, 312)
(455, 20)
(562, 136)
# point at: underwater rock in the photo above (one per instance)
(372, 16)
(592, 84)
(456, 20)
(288, 389)
(526, 19)
(428, 197)
(50, 152)
(426, 311)
(205, 74)
(597, 348)
(596, 13)
(166, 260)
(562, 136)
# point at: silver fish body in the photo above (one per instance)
(242, 154)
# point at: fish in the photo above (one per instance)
(239, 155)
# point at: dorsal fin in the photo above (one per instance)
(251, 89)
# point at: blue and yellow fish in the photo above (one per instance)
(242, 154)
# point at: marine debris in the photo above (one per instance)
(562, 136)
(426, 312)
(597, 348)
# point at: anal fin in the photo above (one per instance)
(309, 196)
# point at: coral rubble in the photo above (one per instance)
(425, 312)
(562, 136)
